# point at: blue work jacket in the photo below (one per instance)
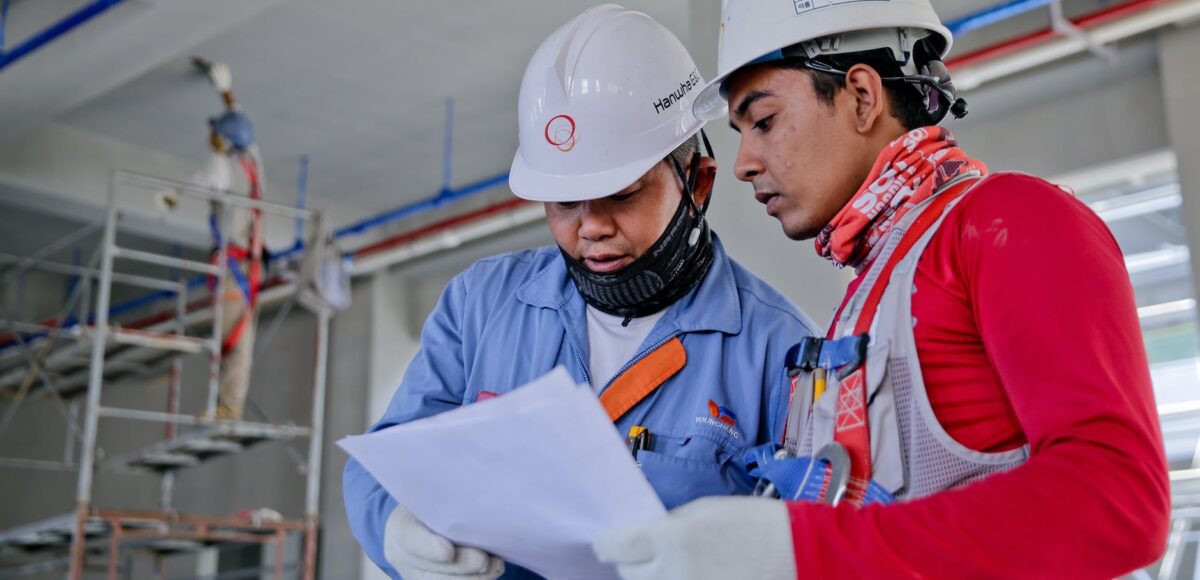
(512, 318)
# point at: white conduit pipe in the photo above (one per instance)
(971, 76)
(449, 238)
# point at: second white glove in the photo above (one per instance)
(712, 538)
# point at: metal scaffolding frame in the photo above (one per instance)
(73, 355)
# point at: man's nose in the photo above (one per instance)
(595, 221)
(748, 164)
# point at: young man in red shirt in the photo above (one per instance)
(982, 406)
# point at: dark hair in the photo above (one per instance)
(683, 153)
(908, 105)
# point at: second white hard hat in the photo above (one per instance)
(604, 98)
(753, 30)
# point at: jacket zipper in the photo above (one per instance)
(587, 376)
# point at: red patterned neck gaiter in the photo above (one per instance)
(908, 171)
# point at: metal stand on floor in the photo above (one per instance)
(50, 360)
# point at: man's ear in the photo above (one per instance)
(870, 100)
(705, 178)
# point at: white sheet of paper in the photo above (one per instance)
(531, 476)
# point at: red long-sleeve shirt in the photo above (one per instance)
(1026, 331)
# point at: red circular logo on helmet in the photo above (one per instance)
(560, 132)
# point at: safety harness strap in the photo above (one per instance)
(643, 378)
(252, 256)
(852, 430)
(254, 260)
(235, 335)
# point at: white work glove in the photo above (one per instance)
(712, 538)
(419, 554)
(220, 76)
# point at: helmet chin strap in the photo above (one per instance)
(689, 188)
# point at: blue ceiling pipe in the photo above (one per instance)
(430, 203)
(993, 15)
(55, 30)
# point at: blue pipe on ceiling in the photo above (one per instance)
(989, 16)
(54, 31)
(442, 198)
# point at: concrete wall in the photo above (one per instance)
(1179, 50)
(1075, 114)
(350, 372)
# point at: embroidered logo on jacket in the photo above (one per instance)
(721, 418)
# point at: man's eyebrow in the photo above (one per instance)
(750, 98)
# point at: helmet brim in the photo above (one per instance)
(533, 185)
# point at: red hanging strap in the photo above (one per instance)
(254, 263)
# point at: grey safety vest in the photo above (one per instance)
(912, 455)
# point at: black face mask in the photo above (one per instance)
(671, 268)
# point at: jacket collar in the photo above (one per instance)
(713, 305)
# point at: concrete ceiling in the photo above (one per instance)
(360, 86)
(118, 45)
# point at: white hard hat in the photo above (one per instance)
(754, 30)
(604, 98)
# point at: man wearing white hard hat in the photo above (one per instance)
(638, 299)
(982, 404)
